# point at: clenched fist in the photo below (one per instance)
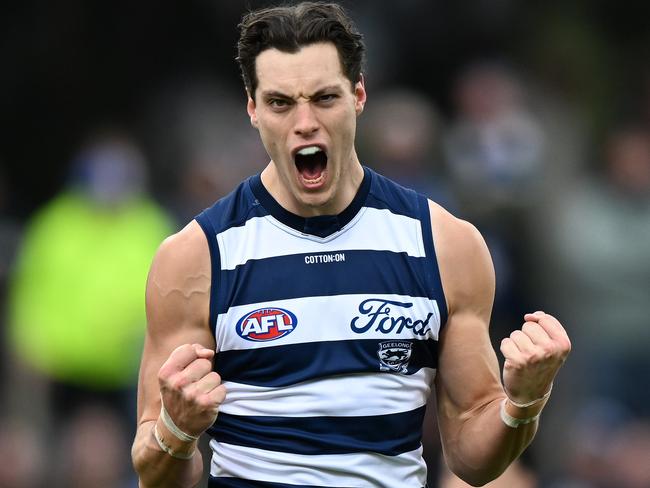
(191, 392)
(533, 356)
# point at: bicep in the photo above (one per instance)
(468, 370)
(177, 304)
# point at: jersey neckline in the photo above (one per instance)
(319, 226)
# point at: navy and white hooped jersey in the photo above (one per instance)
(326, 333)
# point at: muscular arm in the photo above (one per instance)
(178, 344)
(477, 444)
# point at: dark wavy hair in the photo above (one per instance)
(291, 27)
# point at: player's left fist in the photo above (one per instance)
(533, 355)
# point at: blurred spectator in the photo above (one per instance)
(602, 244)
(608, 448)
(495, 146)
(22, 454)
(101, 466)
(400, 135)
(629, 454)
(495, 150)
(597, 273)
(208, 149)
(77, 295)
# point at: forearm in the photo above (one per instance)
(158, 469)
(483, 446)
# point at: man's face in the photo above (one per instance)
(305, 110)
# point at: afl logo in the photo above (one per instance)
(266, 324)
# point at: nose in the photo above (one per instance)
(306, 121)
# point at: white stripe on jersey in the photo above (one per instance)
(237, 245)
(330, 397)
(336, 312)
(359, 470)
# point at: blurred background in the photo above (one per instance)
(119, 121)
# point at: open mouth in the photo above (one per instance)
(311, 162)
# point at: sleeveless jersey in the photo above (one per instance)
(326, 334)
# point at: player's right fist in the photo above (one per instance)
(190, 391)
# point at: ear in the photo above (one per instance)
(360, 95)
(252, 111)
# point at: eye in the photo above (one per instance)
(327, 98)
(278, 103)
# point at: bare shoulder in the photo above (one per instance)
(178, 286)
(183, 252)
(464, 261)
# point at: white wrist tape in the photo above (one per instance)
(513, 421)
(171, 426)
(533, 402)
(168, 449)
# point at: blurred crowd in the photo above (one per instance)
(557, 184)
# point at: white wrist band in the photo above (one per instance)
(533, 402)
(168, 449)
(171, 426)
(513, 421)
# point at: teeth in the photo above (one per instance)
(308, 151)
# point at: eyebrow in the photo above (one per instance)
(275, 94)
(327, 89)
(320, 91)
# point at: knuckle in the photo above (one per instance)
(547, 349)
(189, 395)
(548, 355)
(517, 366)
(203, 402)
(543, 356)
(529, 358)
(514, 365)
(163, 375)
(178, 382)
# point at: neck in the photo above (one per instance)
(342, 191)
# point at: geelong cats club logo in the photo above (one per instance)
(394, 356)
(266, 324)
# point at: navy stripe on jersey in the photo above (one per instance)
(386, 194)
(280, 278)
(204, 221)
(321, 225)
(225, 482)
(389, 435)
(295, 363)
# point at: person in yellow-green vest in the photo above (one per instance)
(76, 299)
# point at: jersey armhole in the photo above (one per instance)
(215, 266)
(432, 270)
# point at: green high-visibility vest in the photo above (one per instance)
(76, 298)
